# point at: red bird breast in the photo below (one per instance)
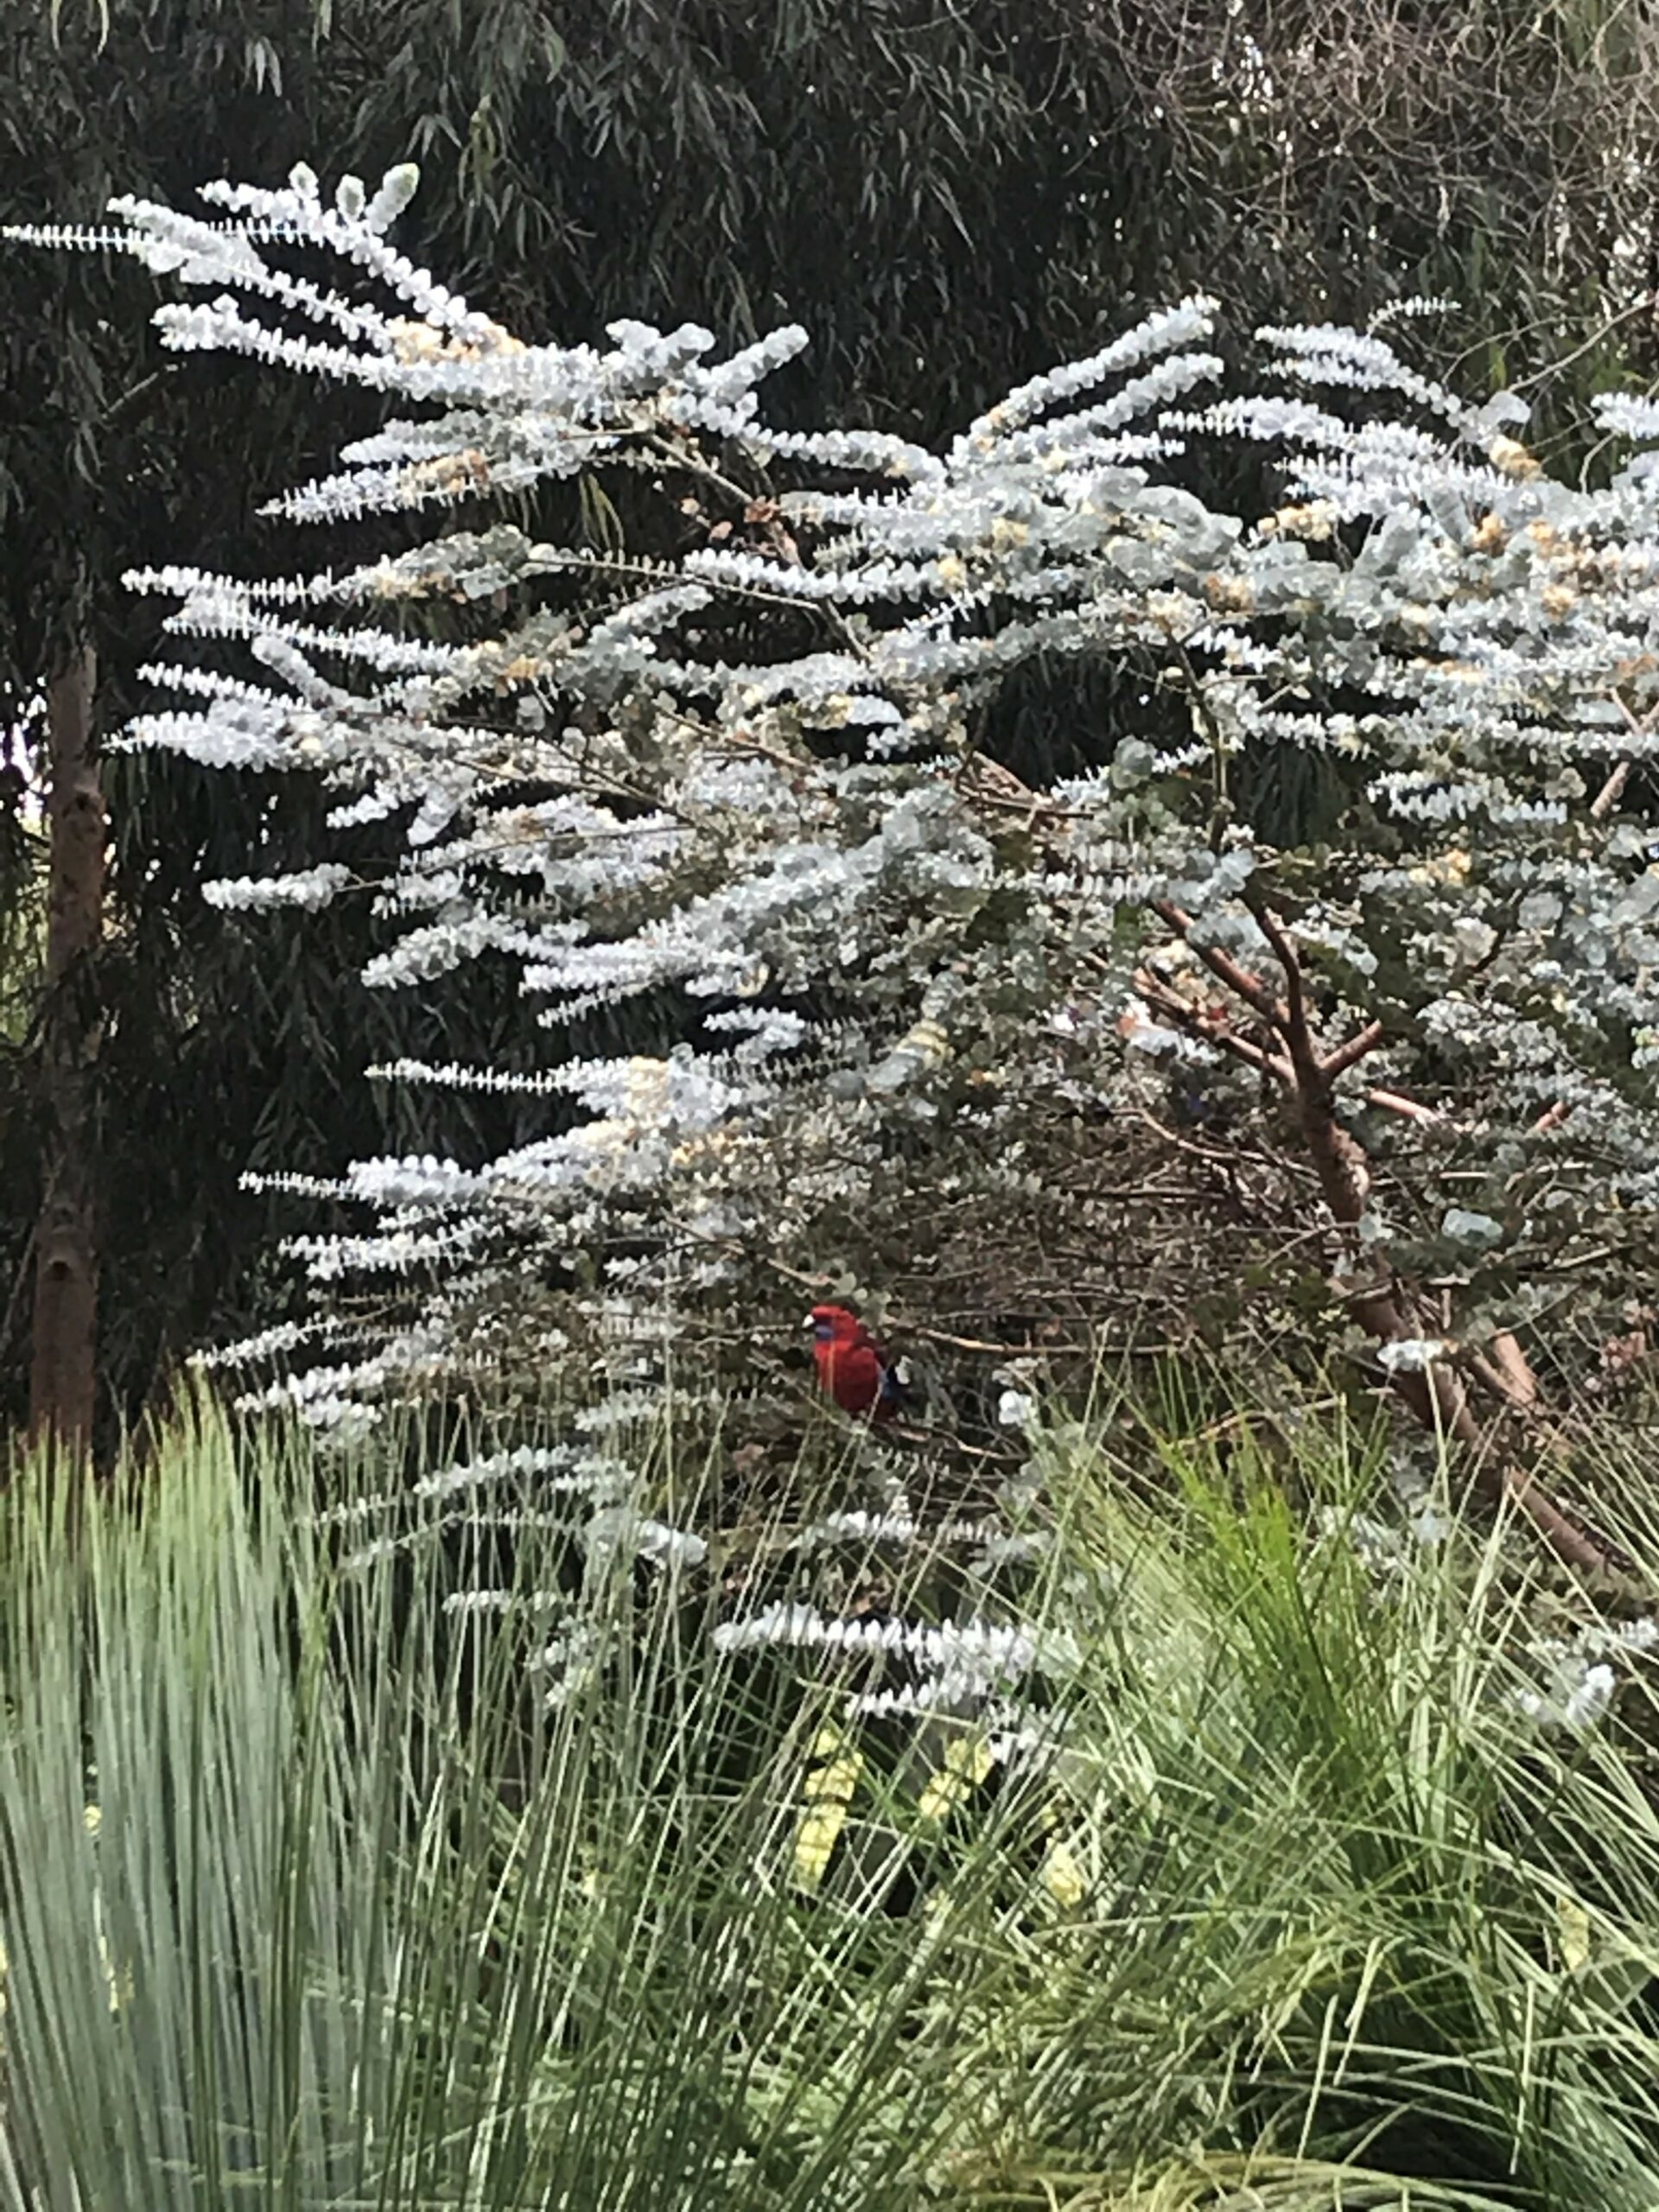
(853, 1369)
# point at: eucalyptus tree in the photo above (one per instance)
(761, 780)
(944, 199)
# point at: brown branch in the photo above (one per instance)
(1612, 791)
(1410, 1110)
(1434, 1393)
(1514, 1373)
(1209, 1029)
(1347, 1056)
(1437, 1398)
(1323, 1069)
(1254, 993)
(1489, 1373)
(1298, 1035)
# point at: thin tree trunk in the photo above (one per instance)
(1435, 1394)
(62, 1370)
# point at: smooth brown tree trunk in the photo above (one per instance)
(62, 1386)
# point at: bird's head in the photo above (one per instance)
(830, 1324)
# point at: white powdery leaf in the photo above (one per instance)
(397, 187)
(617, 1530)
(310, 889)
(1411, 1355)
(1478, 1230)
(547, 1468)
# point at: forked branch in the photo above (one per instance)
(1434, 1392)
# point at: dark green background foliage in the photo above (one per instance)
(948, 198)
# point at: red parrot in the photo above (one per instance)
(852, 1367)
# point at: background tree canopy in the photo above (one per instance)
(949, 200)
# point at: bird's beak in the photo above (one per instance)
(807, 1322)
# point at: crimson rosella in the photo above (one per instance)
(852, 1367)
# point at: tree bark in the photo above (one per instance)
(63, 1375)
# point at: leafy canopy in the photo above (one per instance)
(748, 782)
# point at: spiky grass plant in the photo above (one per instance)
(1366, 1819)
(1334, 1883)
(310, 1896)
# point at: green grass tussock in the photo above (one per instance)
(1328, 1875)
